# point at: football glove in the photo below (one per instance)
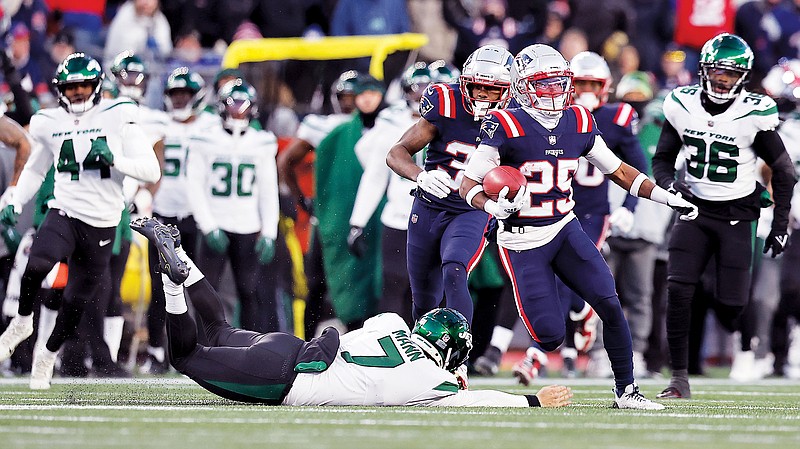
(776, 241)
(687, 210)
(8, 216)
(5, 198)
(101, 150)
(11, 238)
(621, 220)
(435, 182)
(357, 241)
(503, 207)
(265, 249)
(682, 188)
(217, 241)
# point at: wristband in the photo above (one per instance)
(533, 401)
(472, 192)
(637, 183)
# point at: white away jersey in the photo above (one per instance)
(720, 161)
(154, 122)
(389, 127)
(376, 365)
(171, 198)
(85, 188)
(232, 181)
(315, 127)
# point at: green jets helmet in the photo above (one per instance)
(78, 68)
(444, 72)
(237, 104)
(416, 77)
(184, 80)
(725, 52)
(444, 336)
(130, 74)
(344, 85)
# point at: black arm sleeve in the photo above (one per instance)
(667, 149)
(769, 146)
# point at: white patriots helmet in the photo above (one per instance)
(541, 79)
(489, 65)
(589, 66)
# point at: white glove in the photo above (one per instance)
(621, 220)
(435, 182)
(504, 208)
(687, 210)
(5, 198)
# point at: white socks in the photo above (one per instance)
(501, 338)
(173, 293)
(195, 275)
(157, 352)
(112, 334)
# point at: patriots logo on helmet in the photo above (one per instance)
(522, 61)
(425, 106)
(489, 128)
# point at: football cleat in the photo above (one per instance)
(672, 392)
(17, 331)
(489, 363)
(631, 398)
(42, 369)
(585, 327)
(166, 239)
(533, 365)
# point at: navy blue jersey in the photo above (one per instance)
(547, 158)
(455, 141)
(590, 191)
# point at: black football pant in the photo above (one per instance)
(789, 305)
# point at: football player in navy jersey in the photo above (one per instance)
(445, 234)
(538, 235)
(616, 122)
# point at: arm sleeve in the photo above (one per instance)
(667, 150)
(602, 157)
(138, 159)
(481, 398)
(375, 178)
(483, 159)
(268, 193)
(196, 173)
(769, 146)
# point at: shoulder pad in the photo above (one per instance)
(583, 118)
(439, 95)
(509, 122)
(624, 115)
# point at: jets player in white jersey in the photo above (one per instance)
(379, 180)
(384, 363)
(231, 174)
(184, 97)
(312, 130)
(719, 129)
(93, 143)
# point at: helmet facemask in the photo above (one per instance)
(444, 336)
(548, 93)
(77, 69)
(488, 66)
(720, 82)
(88, 103)
(725, 63)
(132, 84)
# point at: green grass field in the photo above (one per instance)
(175, 413)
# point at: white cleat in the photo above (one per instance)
(16, 332)
(42, 369)
(632, 399)
(743, 368)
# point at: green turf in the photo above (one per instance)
(175, 413)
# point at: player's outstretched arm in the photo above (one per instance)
(549, 396)
(137, 159)
(15, 137)
(412, 141)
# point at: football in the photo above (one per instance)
(500, 177)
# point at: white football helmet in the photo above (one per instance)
(589, 66)
(489, 65)
(782, 83)
(541, 79)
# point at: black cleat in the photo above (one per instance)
(166, 239)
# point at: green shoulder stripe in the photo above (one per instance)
(447, 386)
(118, 104)
(199, 139)
(675, 98)
(769, 111)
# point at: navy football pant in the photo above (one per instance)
(443, 247)
(572, 256)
